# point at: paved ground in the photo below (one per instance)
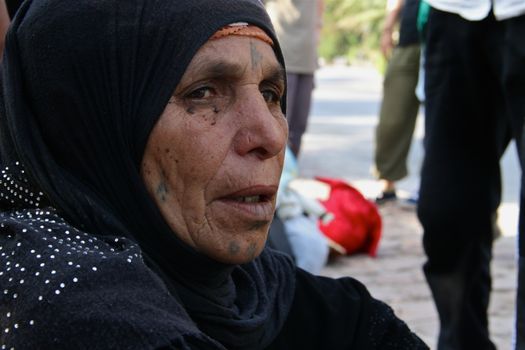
(339, 143)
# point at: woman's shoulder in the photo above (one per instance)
(39, 249)
(64, 288)
(341, 314)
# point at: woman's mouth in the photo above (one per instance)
(253, 204)
(252, 199)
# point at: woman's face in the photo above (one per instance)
(213, 160)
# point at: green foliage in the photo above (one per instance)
(352, 29)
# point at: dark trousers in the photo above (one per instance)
(298, 101)
(475, 104)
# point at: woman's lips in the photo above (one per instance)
(254, 203)
(262, 190)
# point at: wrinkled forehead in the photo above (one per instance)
(229, 43)
(234, 55)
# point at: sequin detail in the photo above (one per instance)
(40, 250)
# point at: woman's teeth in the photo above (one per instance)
(249, 199)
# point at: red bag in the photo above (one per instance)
(357, 223)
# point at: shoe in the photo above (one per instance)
(385, 197)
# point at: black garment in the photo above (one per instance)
(90, 291)
(408, 34)
(475, 103)
(82, 87)
(65, 289)
(12, 7)
(340, 314)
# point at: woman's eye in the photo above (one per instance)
(201, 93)
(271, 96)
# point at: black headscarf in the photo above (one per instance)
(83, 85)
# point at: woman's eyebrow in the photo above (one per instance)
(216, 69)
(220, 69)
(276, 74)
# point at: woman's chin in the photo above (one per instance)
(237, 251)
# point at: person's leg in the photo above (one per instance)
(299, 96)
(514, 81)
(292, 81)
(398, 114)
(465, 135)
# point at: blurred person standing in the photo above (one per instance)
(298, 24)
(475, 104)
(400, 105)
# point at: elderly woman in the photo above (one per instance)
(142, 143)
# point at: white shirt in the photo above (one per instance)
(475, 10)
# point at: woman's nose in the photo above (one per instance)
(263, 129)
